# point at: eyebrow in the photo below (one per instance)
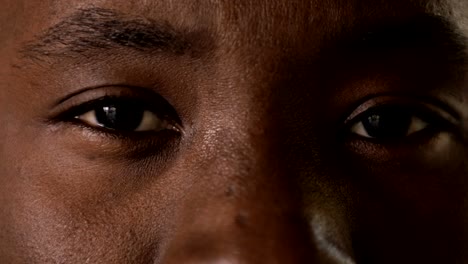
(423, 33)
(97, 29)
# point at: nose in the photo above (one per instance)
(250, 231)
(241, 210)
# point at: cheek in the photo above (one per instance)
(412, 194)
(60, 207)
(426, 178)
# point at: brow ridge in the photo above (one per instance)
(97, 29)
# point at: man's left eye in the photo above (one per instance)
(122, 115)
(388, 123)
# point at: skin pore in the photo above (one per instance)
(219, 131)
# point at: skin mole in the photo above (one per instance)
(247, 131)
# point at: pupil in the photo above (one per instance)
(126, 116)
(388, 123)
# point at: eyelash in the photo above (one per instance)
(154, 104)
(437, 120)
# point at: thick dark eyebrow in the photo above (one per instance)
(96, 29)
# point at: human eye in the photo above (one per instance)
(122, 115)
(122, 111)
(394, 121)
(389, 122)
(120, 120)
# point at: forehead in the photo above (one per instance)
(259, 21)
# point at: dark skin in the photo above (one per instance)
(275, 131)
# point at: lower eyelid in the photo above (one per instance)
(84, 140)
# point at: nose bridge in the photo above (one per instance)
(244, 205)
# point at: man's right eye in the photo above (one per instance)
(120, 114)
(130, 122)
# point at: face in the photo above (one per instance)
(277, 131)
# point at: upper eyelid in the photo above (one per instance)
(70, 116)
(71, 108)
(426, 115)
(428, 104)
(93, 94)
(84, 99)
(105, 89)
(90, 105)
